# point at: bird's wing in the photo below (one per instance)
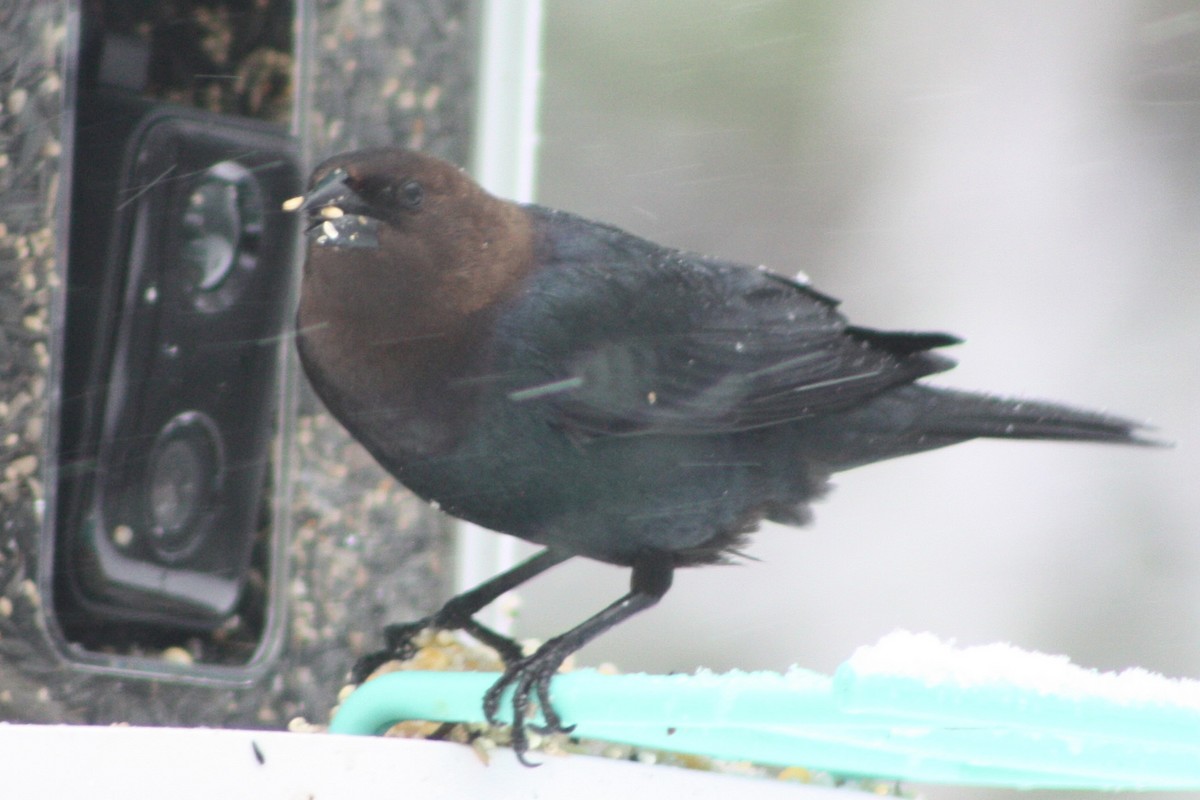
(674, 343)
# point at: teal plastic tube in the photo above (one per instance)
(858, 722)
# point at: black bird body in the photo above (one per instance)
(566, 382)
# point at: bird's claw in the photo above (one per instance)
(398, 646)
(399, 640)
(528, 678)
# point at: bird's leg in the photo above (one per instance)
(457, 614)
(530, 676)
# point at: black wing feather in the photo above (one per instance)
(706, 346)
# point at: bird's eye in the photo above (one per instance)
(411, 194)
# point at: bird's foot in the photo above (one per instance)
(400, 640)
(399, 645)
(529, 678)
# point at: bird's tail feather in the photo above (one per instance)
(947, 412)
(916, 418)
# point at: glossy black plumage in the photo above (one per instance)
(564, 381)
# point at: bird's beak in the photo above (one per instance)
(338, 216)
(332, 190)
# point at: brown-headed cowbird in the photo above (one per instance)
(564, 381)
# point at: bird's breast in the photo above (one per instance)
(403, 396)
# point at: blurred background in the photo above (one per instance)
(1023, 174)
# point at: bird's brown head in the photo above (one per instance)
(403, 234)
(408, 259)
